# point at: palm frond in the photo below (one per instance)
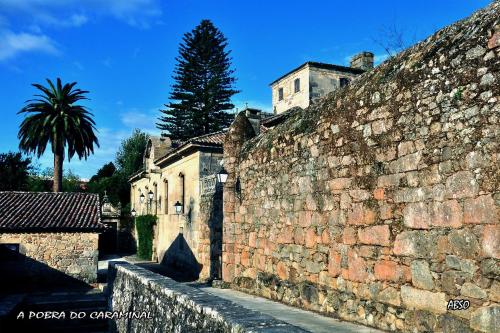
(52, 117)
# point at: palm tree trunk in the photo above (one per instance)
(58, 172)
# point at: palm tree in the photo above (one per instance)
(53, 117)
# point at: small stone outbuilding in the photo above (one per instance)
(49, 238)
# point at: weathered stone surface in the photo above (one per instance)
(461, 185)
(334, 263)
(480, 210)
(494, 292)
(376, 235)
(486, 319)
(423, 300)
(490, 267)
(421, 276)
(446, 214)
(357, 270)
(471, 290)
(399, 167)
(416, 244)
(457, 263)
(176, 307)
(390, 296)
(463, 243)
(452, 280)
(391, 271)
(75, 254)
(416, 215)
(491, 241)
(450, 323)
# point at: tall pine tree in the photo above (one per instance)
(201, 94)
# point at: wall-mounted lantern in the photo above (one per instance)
(178, 208)
(133, 212)
(222, 176)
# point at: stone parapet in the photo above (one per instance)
(177, 307)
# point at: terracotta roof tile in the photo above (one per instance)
(25, 211)
(216, 138)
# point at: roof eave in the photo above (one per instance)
(187, 149)
(54, 229)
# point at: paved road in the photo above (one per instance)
(307, 320)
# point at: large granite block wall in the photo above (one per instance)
(380, 203)
(73, 254)
(169, 306)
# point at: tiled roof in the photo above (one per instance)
(29, 211)
(278, 118)
(215, 139)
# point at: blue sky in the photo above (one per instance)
(123, 51)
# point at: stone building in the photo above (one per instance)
(49, 237)
(182, 172)
(380, 203)
(312, 80)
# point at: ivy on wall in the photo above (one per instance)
(144, 225)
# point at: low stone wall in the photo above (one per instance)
(176, 307)
(74, 255)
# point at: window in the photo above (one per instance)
(280, 94)
(296, 85)
(344, 82)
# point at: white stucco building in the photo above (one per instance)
(312, 80)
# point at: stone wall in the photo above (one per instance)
(210, 235)
(74, 254)
(380, 203)
(176, 307)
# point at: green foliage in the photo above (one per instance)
(114, 180)
(203, 85)
(14, 172)
(144, 225)
(130, 154)
(116, 187)
(71, 182)
(54, 117)
(42, 181)
(107, 170)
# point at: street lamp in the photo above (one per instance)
(133, 212)
(222, 176)
(150, 195)
(142, 197)
(178, 207)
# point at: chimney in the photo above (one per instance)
(253, 116)
(363, 60)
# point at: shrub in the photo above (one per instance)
(144, 225)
